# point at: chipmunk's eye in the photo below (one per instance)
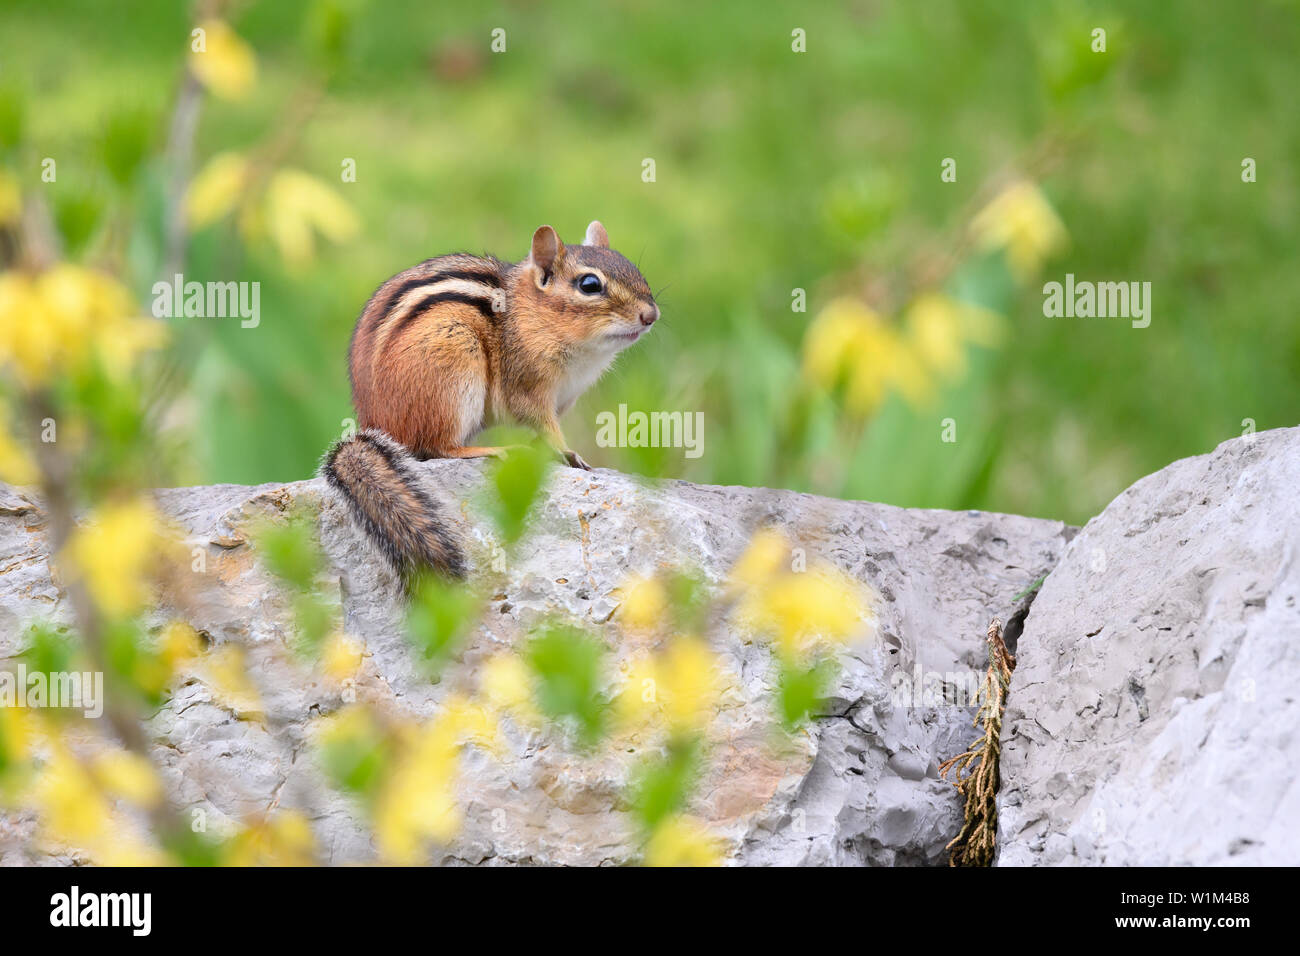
(590, 284)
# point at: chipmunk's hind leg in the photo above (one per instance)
(475, 451)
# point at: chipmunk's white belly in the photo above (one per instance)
(582, 373)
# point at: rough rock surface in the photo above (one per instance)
(1153, 715)
(860, 786)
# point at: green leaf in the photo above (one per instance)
(441, 613)
(125, 143)
(51, 650)
(516, 482)
(801, 689)
(568, 665)
(291, 551)
(76, 215)
(661, 787)
(355, 763)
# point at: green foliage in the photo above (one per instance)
(291, 551)
(688, 600)
(133, 664)
(11, 118)
(516, 480)
(800, 689)
(776, 171)
(77, 213)
(356, 760)
(439, 616)
(662, 786)
(125, 143)
(568, 663)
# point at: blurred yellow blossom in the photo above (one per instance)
(225, 672)
(286, 839)
(297, 204)
(803, 609)
(113, 554)
(129, 776)
(679, 686)
(55, 322)
(682, 841)
(508, 686)
(341, 656)
(768, 553)
(216, 189)
(179, 645)
(72, 807)
(418, 803)
(939, 329)
(16, 735)
(849, 344)
(16, 466)
(224, 63)
(75, 812)
(294, 207)
(1021, 221)
(472, 722)
(645, 603)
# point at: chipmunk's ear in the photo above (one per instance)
(596, 235)
(547, 250)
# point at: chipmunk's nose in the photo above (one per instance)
(648, 314)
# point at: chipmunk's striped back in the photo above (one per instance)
(444, 307)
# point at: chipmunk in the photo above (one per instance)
(456, 343)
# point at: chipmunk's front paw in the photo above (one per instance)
(575, 460)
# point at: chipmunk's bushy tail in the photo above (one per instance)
(377, 478)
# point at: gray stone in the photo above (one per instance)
(859, 786)
(1152, 718)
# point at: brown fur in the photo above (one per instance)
(419, 373)
(458, 342)
(376, 478)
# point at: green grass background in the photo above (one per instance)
(775, 170)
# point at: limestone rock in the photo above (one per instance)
(860, 786)
(1152, 718)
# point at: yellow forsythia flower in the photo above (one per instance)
(645, 603)
(55, 322)
(507, 684)
(472, 722)
(286, 839)
(15, 736)
(216, 190)
(803, 608)
(225, 64)
(681, 841)
(72, 808)
(418, 803)
(226, 674)
(114, 552)
(768, 553)
(679, 686)
(850, 344)
(130, 776)
(16, 466)
(179, 645)
(809, 608)
(690, 675)
(296, 204)
(1021, 221)
(341, 657)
